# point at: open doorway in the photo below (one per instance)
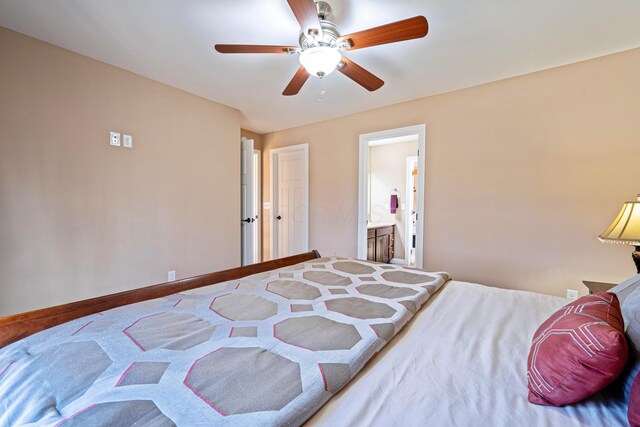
(391, 196)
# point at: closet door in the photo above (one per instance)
(290, 197)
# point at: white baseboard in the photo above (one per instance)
(399, 261)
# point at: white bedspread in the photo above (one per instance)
(462, 361)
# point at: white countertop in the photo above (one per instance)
(372, 225)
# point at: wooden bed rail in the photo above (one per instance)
(18, 326)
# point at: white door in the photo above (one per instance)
(247, 209)
(290, 201)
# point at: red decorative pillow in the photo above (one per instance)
(578, 351)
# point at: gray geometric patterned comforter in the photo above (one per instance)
(265, 350)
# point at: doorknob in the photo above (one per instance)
(248, 220)
(278, 217)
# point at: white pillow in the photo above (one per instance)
(625, 289)
(630, 304)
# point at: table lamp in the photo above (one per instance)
(625, 229)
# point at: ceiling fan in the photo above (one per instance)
(321, 44)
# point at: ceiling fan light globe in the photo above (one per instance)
(321, 60)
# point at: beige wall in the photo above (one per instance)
(522, 174)
(388, 171)
(79, 218)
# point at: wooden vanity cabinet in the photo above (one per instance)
(371, 245)
(380, 243)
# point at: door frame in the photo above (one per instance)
(408, 226)
(274, 156)
(258, 199)
(401, 134)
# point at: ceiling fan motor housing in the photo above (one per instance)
(330, 31)
(329, 37)
(324, 47)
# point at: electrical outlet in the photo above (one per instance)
(127, 141)
(572, 294)
(171, 276)
(114, 139)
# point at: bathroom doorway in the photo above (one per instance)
(391, 196)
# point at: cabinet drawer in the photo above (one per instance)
(384, 231)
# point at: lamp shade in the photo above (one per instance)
(626, 227)
(320, 60)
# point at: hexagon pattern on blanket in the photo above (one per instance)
(256, 349)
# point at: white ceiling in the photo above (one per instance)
(470, 42)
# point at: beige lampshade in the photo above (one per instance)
(626, 227)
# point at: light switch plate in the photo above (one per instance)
(127, 141)
(114, 139)
(572, 294)
(171, 276)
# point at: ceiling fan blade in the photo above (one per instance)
(408, 29)
(307, 15)
(296, 82)
(359, 75)
(248, 48)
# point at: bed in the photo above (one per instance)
(461, 360)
